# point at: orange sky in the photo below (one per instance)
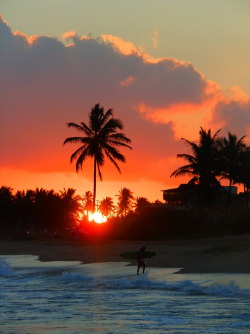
(46, 83)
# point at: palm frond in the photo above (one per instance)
(107, 116)
(86, 129)
(184, 170)
(74, 125)
(110, 150)
(81, 157)
(119, 138)
(77, 153)
(73, 140)
(113, 161)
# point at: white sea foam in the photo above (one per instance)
(144, 282)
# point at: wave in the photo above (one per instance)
(144, 282)
(5, 269)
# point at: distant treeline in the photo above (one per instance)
(37, 212)
(43, 213)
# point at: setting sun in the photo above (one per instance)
(97, 217)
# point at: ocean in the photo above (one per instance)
(71, 297)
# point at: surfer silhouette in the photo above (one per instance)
(140, 260)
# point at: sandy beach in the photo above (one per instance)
(229, 254)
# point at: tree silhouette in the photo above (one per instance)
(101, 138)
(87, 201)
(230, 152)
(106, 206)
(71, 206)
(141, 202)
(244, 169)
(125, 201)
(203, 165)
(6, 209)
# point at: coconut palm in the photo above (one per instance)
(87, 201)
(230, 152)
(140, 203)
(101, 138)
(203, 165)
(106, 206)
(70, 206)
(125, 201)
(244, 169)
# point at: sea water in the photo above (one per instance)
(71, 298)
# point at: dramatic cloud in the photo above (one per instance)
(45, 83)
(234, 116)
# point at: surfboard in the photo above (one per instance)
(133, 255)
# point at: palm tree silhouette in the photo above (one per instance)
(87, 200)
(244, 170)
(203, 165)
(231, 153)
(101, 138)
(106, 206)
(231, 150)
(125, 201)
(140, 203)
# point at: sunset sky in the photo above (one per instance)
(165, 67)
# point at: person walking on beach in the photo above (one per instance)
(140, 260)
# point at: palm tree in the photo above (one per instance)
(125, 201)
(203, 165)
(106, 206)
(87, 201)
(230, 151)
(71, 207)
(244, 169)
(244, 173)
(140, 203)
(101, 138)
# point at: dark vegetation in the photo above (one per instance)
(45, 213)
(41, 213)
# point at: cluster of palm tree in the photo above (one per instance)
(126, 203)
(214, 159)
(38, 212)
(46, 212)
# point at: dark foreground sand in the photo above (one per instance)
(229, 254)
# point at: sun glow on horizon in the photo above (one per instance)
(97, 217)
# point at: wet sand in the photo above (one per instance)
(229, 254)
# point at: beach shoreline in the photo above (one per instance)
(228, 254)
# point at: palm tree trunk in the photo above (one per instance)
(94, 191)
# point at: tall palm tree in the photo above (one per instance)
(203, 165)
(100, 138)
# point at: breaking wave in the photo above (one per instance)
(144, 282)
